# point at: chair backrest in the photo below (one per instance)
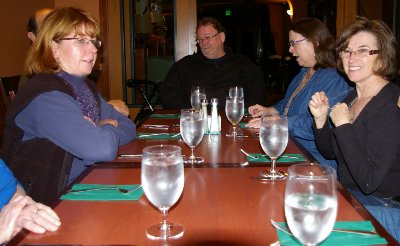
(8, 88)
(157, 67)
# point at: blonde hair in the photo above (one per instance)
(59, 23)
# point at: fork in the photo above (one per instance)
(122, 190)
(284, 229)
(257, 157)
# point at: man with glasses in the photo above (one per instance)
(216, 68)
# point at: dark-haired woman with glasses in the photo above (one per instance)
(365, 139)
(312, 45)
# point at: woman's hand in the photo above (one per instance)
(108, 122)
(319, 106)
(253, 123)
(38, 218)
(8, 218)
(120, 106)
(340, 114)
(257, 110)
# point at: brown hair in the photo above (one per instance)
(386, 42)
(58, 24)
(318, 34)
(205, 21)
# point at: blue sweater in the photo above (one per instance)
(56, 116)
(8, 184)
(299, 116)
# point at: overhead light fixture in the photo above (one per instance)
(289, 12)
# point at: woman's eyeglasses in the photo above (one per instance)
(358, 53)
(84, 41)
(295, 42)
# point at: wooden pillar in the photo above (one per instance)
(186, 20)
(345, 13)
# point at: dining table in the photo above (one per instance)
(224, 202)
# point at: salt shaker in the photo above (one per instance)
(205, 114)
(214, 124)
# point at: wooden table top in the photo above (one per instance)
(221, 204)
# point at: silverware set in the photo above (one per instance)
(285, 230)
(122, 190)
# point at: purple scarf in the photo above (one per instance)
(84, 96)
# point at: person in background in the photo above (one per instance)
(313, 46)
(34, 23)
(58, 124)
(216, 68)
(19, 211)
(366, 132)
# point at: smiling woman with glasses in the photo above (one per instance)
(58, 124)
(366, 132)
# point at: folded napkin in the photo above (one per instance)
(165, 116)
(283, 158)
(102, 195)
(340, 238)
(158, 136)
(242, 125)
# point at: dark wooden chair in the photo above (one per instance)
(8, 88)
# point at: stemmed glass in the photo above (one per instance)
(192, 131)
(197, 96)
(273, 138)
(163, 181)
(236, 91)
(234, 109)
(311, 202)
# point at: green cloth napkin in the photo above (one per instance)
(152, 135)
(282, 159)
(339, 238)
(242, 125)
(102, 195)
(165, 116)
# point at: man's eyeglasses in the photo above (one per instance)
(358, 53)
(85, 41)
(295, 42)
(208, 38)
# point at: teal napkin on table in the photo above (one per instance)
(165, 116)
(102, 195)
(242, 125)
(158, 136)
(284, 158)
(339, 238)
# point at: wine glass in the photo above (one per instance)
(197, 96)
(192, 131)
(163, 181)
(236, 91)
(273, 138)
(311, 202)
(234, 109)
